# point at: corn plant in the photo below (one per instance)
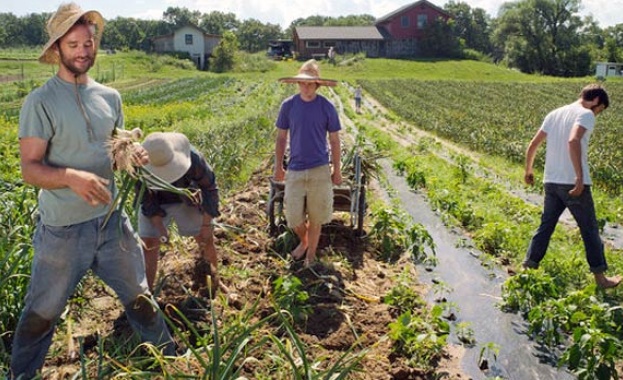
(16, 228)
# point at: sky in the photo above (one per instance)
(605, 12)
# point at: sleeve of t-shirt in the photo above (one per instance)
(586, 120)
(283, 120)
(34, 119)
(334, 119)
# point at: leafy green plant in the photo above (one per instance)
(289, 294)
(420, 243)
(593, 354)
(527, 290)
(421, 340)
(489, 351)
(465, 333)
(402, 296)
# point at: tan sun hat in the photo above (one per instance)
(169, 155)
(61, 21)
(309, 72)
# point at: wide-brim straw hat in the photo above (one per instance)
(309, 72)
(169, 155)
(64, 19)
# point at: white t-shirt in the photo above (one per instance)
(557, 125)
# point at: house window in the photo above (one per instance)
(189, 39)
(328, 44)
(404, 21)
(312, 44)
(422, 20)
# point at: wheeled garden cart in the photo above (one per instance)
(349, 197)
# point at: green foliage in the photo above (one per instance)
(528, 289)
(16, 229)
(420, 340)
(465, 334)
(223, 55)
(593, 354)
(403, 296)
(289, 295)
(393, 236)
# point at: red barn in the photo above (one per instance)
(396, 34)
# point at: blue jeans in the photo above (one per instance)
(62, 257)
(557, 199)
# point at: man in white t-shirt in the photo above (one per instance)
(567, 181)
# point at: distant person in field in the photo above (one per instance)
(358, 99)
(331, 55)
(567, 181)
(175, 160)
(308, 118)
(64, 128)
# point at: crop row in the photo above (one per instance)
(500, 118)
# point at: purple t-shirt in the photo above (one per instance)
(308, 124)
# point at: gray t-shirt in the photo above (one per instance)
(53, 113)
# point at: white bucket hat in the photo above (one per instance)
(309, 72)
(169, 155)
(64, 19)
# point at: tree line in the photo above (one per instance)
(535, 36)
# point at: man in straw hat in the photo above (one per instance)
(308, 117)
(175, 160)
(63, 130)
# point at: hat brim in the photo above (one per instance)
(172, 172)
(180, 162)
(49, 56)
(304, 79)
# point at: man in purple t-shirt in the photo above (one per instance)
(308, 117)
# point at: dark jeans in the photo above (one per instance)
(557, 199)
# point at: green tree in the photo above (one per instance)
(179, 17)
(253, 36)
(124, 33)
(471, 25)
(542, 36)
(439, 40)
(218, 22)
(223, 54)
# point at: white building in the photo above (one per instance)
(608, 69)
(188, 39)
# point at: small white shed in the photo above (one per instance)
(608, 69)
(188, 39)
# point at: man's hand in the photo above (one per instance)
(140, 157)
(280, 174)
(578, 188)
(529, 178)
(90, 187)
(336, 177)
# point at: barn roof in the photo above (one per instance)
(338, 33)
(398, 11)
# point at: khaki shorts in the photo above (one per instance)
(308, 196)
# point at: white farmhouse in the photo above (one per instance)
(188, 39)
